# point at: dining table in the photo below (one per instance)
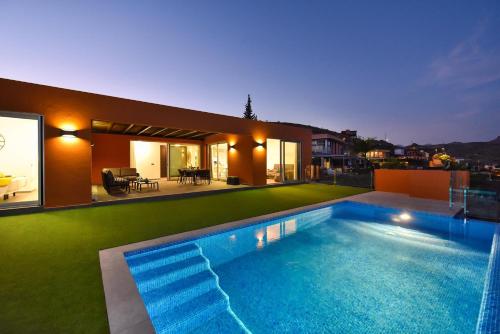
(197, 174)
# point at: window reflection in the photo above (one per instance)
(273, 232)
(290, 226)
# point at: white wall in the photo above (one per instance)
(19, 156)
(145, 156)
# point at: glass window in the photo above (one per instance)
(153, 159)
(283, 161)
(290, 159)
(183, 156)
(273, 152)
(20, 160)
(219, 161)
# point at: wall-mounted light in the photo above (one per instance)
(260, 145)
(232, 146)
(68, 133)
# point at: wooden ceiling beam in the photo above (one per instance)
(173, 132)
(158, 132)
(190, 133)
(128, 128)
(143, 130)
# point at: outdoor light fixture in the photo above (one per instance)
(68, 133)
(232, 146)
(260, 145)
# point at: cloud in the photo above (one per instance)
(473, 62)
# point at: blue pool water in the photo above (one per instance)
(345, 268)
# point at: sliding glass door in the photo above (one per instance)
(183, 156)
(283, 161)
(219, 161)
(20, 160)
(178, 159)
(155, 160)
(290, 153)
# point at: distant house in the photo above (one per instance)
(329, 148)
(399, 151)
(378, 154)
(414, 152)
(348, 135)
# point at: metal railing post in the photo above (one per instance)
(465, 202)
(451, 197)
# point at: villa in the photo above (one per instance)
(301, 258)
(57, 143)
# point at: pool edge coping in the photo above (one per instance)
(488, 319)
(126, 311)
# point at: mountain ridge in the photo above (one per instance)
(486, 152)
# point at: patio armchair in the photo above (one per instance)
(110, 182)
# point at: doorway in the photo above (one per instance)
(219, 161)
(155, 160)
(283, 161)
(21, 159)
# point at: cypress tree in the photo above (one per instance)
(248, 114)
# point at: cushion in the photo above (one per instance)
(115, 171)
(126, 171)
(5, 181)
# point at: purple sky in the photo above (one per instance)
(424, 71)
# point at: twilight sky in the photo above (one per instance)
(424, 71)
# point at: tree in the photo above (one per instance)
(360, 145)
(248, 114)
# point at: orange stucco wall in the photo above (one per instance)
(431, 184)
(240, 160)
(68, 164)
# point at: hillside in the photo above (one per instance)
(486, 152)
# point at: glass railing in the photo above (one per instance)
(476, 203)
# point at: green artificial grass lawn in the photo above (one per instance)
(49, 264)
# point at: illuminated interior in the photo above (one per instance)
(183, 156)
(219, 161)
(19, 161)
(282, 161)
(290, 154)
(273, 152)
(149, 161)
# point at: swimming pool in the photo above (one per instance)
(347, 267)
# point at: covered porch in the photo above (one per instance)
(131, 161)
(166, 188)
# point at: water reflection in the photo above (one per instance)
(224, 247)
(275, 232)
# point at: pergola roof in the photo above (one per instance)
(99, 126)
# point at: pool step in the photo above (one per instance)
(223, 323)
(145, 261)
(191, 315)
(181, 292)
(164, 275)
